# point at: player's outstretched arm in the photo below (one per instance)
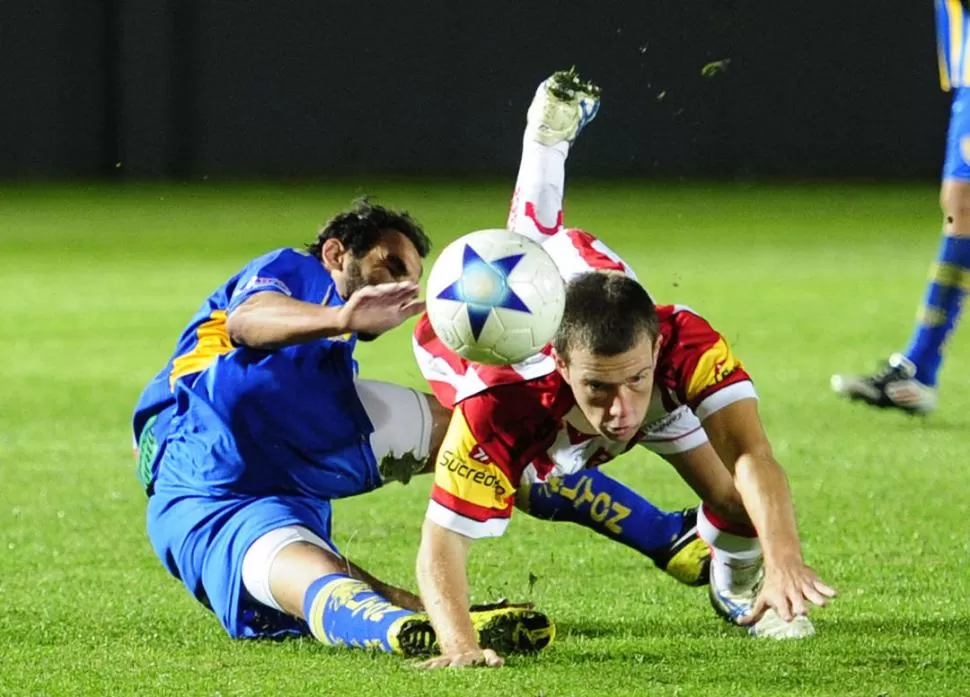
(790, 585)
(270, 320)
(443, 581)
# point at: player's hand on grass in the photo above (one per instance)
(464, 659)
(789, 590)
(372, 310)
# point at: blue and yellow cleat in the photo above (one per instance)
(688, 558)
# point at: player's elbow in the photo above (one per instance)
(243, 326)
(238, 326)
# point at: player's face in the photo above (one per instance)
(613, 392)
(393, 258)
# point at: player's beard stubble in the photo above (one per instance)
(356, 281)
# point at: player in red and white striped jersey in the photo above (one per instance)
(524, 429)
(668, 538)
(623, 373)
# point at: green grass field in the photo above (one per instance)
(95, 284)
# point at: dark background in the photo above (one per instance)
(305, 88)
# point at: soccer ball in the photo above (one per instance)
(495, 297)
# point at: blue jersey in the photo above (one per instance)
(285, 271)
(263, 423)
(259, 440)
(246, 441)
(952, 41)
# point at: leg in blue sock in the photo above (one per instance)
(592, 499)
(908, 382)
(299, 573)
(344, 611)
(948, 285)
(950, 275)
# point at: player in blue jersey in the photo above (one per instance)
(908, 380)
(287, 297)
(259, 421)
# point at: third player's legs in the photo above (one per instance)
(908, 380)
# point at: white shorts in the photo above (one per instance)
(402, 425)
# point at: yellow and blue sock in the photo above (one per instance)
(949, 283)
(601, 503)
(343, 611)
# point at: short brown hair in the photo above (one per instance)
(606, 313)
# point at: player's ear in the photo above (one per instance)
(332, 255)
(656, 347)
(561, 366)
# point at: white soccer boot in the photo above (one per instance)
(732, 606)
(894, 386)
(562, 106)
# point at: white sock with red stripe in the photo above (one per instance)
(536, 209)
(735, 551)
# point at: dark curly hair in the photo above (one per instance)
(360, 228)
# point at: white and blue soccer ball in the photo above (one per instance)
(495, 297)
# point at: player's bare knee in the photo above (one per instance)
(729, 506)
(955, 204)
(723, 498)
(295, 568)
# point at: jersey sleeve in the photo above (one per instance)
(481, 461)
(444, 370)
(577, 251)
(285, 272)
(676, 432)
(705, 373)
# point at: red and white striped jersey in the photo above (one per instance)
(520, 424)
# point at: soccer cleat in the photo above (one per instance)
(513, 629)
(894, 386)
(413, 636)
(501, 627)
(562, 106)
(732, 606)
(499, 604)
(687, 558)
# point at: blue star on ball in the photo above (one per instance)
(484, 286)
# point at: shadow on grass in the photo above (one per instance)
(847, 643)
(955, 630)
(649, 628)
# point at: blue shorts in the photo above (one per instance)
(202, 540)
(957, 162)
